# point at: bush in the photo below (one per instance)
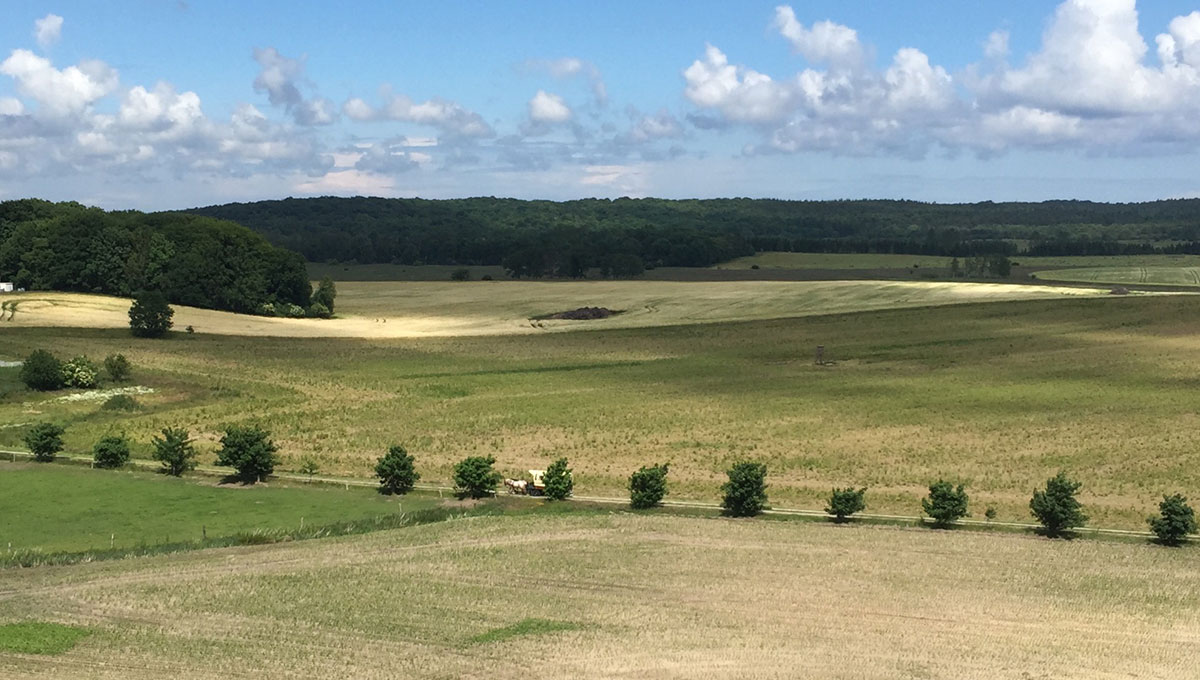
(250, 451)
(319, 311)
(396, 472)
(460, 275)
(846, 502)
(945, 504)
(80, 372)
(266, 309)
(1175, 521)
(1056, 507)
(150, 315)
(746, 490)
(325, 294)
(44, 440)
(120, 402)
(42, 372)
(474, 477)
(486, 277)
(117, 367)
(309, 467)
(111, 452)
(647, 486)
(558, 480)
(174, 451)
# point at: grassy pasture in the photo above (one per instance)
(998, 395)
(1141, 276)
(621, 595)
(93, 509)
(868, 261)
(427, 309)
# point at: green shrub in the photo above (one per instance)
(396, 472)
(42, 372)
(44, 440)
(846, 502)
(120, 402)
(117, 367)
(174, 450)
(1175, 520)
(460, 275)
(111, 452)
(1056, 506)
(319, 311)
(647, 486)
(945, 504)
(474, 477)
(150, 315)
(80, 372)
(266, 309)
(289, 310)
(250, 451)
(309, 467)
(746, 490)
(558, 480)
(325, 294)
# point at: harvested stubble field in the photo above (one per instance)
(998, 395)
(620, 595)
(1126, 276)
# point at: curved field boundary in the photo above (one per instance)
(1139, 276)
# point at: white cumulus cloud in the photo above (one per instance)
(47, 30)
(449, 117)
(546, 107)
(69, 91)
(278, 77)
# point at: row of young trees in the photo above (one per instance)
(44, 372)
(251, 453)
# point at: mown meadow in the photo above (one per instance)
(598, 594)
(998, 395)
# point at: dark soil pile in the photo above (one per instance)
(585, 314)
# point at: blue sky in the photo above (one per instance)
(157, 104)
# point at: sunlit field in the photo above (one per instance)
(1141, 276)
(620, 595)
(866, 261)
(1000, 395)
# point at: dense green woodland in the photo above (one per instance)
(535, 238)
(194, 260)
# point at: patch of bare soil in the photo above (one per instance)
(585, 314)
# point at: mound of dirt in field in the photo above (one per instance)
(1119, 290)
(585, 314)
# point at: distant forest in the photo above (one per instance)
(546, 238)
(194, 260)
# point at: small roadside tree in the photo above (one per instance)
(44, 440)
(474, 477)
(647, 486)
(42, 372)
(117, 367)
(558, 480)
(945, 504)
(396, 472)
(1056, 506)
(250, 451)
(746, 490)
(174, 450)
(325, 294)
(150, 315)
(846, 502)
(1175, 521)
(111, 452)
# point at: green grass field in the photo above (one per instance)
(1129, 275)
(76, 509)
(621, 595)
(1000, 395)
(867, 261)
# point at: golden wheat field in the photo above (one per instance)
(626, 596)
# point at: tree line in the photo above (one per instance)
(547, 238)
(191, 259)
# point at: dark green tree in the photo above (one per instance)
(111, 452)
(250, 451)
(1175, 520)
(474, 477)
(41, 371)
(746, 491)
(558, 480)
(647, 486)
(945, 504)
(150, 315)
(846, 502)
(1056, 506)
(396, 472)
(117, 367)
(174, 450)
(44, 440)
(325, 294)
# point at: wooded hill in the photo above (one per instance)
(194, 260)
(564, 238)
